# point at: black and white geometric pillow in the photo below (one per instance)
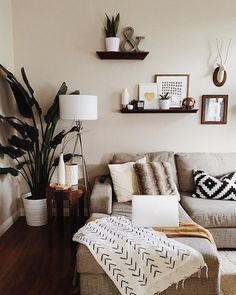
(209, 187)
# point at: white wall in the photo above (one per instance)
(56, 40)
(9, 188)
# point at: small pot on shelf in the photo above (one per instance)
(112, 44)
(165, 104)
(165, 101)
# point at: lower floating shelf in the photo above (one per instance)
(170, 111)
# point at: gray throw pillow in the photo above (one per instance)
(155, 178)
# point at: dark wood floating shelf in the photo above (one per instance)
(121, 55)
(170, 111)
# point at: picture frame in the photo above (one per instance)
(148, 92)
(214, 109)
(177, 85)
(140, 105)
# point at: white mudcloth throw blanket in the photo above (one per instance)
(139, 261)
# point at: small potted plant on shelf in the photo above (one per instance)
(32, 145)
(112, 42)
(165, 101)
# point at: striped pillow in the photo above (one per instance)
(155, 178)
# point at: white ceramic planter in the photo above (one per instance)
(35, 211)
(72, 174)
(164, 104)
(112, 43)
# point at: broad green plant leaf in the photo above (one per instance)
(77, 92)
(52, 115)
(21, 100)
(35, 102)
(9, 170)
(23, 144)
(57, 139)
(25, 130)
(22, 164)
(66, 157)
(11, 151)
(116, 24)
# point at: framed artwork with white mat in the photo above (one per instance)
(148, 92)
(176, 85)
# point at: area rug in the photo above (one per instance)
(228, 272)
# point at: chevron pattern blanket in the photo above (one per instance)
(139, 261)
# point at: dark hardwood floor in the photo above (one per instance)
(29, 266)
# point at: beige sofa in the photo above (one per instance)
(218, 216)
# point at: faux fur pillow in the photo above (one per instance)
(155, 178)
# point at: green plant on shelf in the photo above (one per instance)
(165, 96)
(112, 26)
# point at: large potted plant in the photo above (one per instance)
(33, 145)
(112, 42)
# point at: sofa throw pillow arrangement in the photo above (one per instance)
(209, 187)
(155, 178)
(124, 180)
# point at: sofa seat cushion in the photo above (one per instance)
(210, 213)
(122, 209)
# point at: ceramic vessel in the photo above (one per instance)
(112, 43)
(35, 210)
(164, 104)
(72, 174)
(61, 172)
(124, 98)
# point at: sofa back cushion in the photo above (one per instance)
(120, 158)
(213, 164)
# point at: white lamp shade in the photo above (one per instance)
(78, 107)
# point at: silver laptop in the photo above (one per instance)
(155, 211)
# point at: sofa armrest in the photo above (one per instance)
(101, 197)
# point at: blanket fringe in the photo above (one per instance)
(177, 286)
(206, 271)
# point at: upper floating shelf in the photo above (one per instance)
(174, 110)
(121, 55)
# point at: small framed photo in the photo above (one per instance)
(148, 92)
(140, 105)
(214, 109)
(177, 86)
